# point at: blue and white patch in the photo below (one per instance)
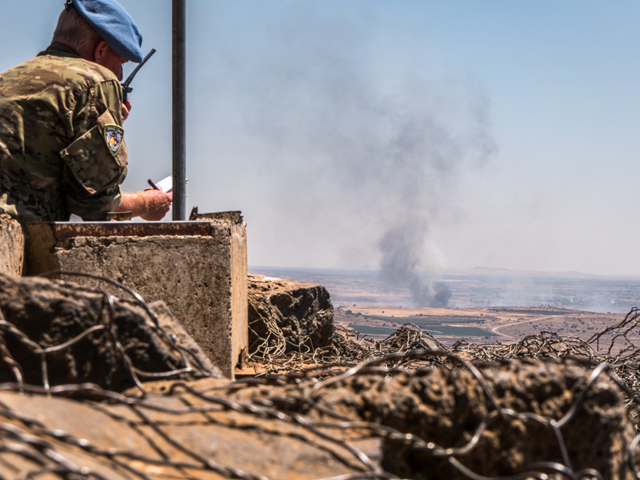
(113, 134)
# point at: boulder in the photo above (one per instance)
(288, 316)
(42, 314)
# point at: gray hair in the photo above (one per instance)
(73, 30)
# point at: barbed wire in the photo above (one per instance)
(106, 326)
(303, 378)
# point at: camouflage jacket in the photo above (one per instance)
(61, 138)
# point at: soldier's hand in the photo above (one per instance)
(151, 205)
(126, 109)
(157, 204)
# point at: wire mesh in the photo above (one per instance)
(410, 351)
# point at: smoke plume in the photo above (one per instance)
(361, 167)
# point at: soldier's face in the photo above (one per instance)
(106, 57)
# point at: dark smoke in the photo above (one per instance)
(402, 259)
(356, 167)
(442, 295)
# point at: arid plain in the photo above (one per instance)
(486, 305)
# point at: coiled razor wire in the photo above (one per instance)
(351, 355)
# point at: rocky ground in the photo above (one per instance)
(97, 387)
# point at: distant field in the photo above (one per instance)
(522, 311)
(373, 330)
(422, 320)
(441, 330)
(461, 332)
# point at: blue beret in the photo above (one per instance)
(114, 25)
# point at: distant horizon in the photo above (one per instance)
(472, 288)
(449, 271)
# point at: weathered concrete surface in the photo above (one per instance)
(239, 294)
(301, 313)
(201, 278)
(442, 406)
(232, 216)
(447, 406)
(50, 315)
(258, 446)
(11, 246)
(167, 321)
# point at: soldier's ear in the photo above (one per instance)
(100, 51)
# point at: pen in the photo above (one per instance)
(153, 185)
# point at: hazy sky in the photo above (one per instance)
(500, 133)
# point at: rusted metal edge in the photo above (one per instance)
(234, 216)
(63, 230)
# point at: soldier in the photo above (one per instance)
(62, 148)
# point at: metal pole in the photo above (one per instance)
(179, 110)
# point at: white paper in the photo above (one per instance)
(166, 184)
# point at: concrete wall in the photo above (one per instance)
(11, 246)
(201, 278)
(239, 290)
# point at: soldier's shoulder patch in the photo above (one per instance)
(113, 134)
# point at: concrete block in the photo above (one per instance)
(169, 324)
(198, 269)
(11, 246)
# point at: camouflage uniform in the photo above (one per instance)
(61, 146)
